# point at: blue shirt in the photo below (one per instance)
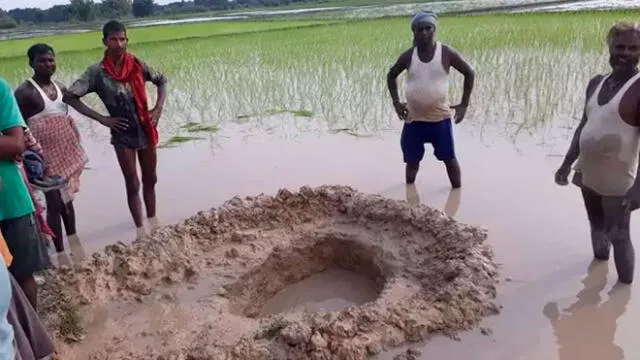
(7, 351)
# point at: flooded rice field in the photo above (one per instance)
(537, 230)
(338, 258)
(366, 11)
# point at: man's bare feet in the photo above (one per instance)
(64, 259)
(413, 198)
(76, 248)
(154, 223)
(140, 233)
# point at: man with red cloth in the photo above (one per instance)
(119, 80)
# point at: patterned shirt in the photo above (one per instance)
(118, 99)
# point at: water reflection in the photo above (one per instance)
(413, 198)
(451, 204)
(77, 249)
(587, 328)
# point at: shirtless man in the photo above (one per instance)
(606, 145)
(119, 80)
(427, 113)
(41, 105)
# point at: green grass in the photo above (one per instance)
(182, 139)
(193, 127)
(152, 34)
(531, 71)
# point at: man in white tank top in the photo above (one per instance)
(41, 105)
(427, 114)
(606, 145)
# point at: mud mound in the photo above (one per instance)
(196, 290)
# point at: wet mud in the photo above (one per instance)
(201, 289)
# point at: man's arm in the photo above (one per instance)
(25, 101)
(82, 108)
(12, 143)
(458, 63)
(401, 65)
(160, 81)
(574, 148)
(83, 86)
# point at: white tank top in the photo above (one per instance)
(427, 88)
(609, 147)
(54, 107)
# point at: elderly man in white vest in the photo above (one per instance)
(606, 145)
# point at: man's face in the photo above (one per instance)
(44, 64)
(116, 42)
(624, 51)
(423, 33)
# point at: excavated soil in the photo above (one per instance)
(196, 290)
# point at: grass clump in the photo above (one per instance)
(58, 311)
(194, 127)
(70, 327)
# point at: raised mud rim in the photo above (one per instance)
(454, 272)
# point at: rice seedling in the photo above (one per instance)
(532, 70)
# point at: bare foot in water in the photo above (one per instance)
(154, 223)
(76, 248)
(64, 259)
(140, 233)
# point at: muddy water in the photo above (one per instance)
(330, 290)
(538, 230)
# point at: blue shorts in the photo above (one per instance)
(417, 133)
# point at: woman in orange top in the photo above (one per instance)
(4, 251)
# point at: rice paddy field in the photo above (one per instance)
(309, 91)
(532, 69)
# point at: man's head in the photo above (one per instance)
(115, 38)
(423, 26)
(624, 45)
(42, 60)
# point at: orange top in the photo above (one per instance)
(4, 251)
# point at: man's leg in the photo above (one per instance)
(127, 160)
(29, 288)
(444, 150)
(453, 171)
(29, 256)
(148, 161)
(617, 215)
(68, 215)
(55, 208)
(410, 172)
(595, 212)
(412, 144)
